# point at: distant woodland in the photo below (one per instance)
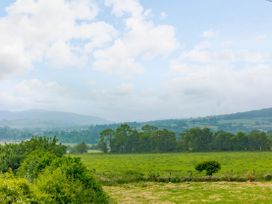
(126, 139)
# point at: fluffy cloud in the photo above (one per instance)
(142, 40)
(64, 33)
(58, 32)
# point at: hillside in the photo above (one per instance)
(46, 119)
(73, 128)
(241, 121)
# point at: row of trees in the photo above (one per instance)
(126, 139)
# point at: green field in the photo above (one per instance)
(119, 174)
(127, 167)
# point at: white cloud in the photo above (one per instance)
(141, 40)
(204, 52)
(58, 32)
(120, 7)
(214, 80)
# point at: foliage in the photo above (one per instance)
(16, 190)
(11, 155)
(66, 180)
(80, 148)
(45, 175)
(245, 122)
(126, 139)
(210, 167)
(35, 163)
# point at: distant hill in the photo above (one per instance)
(241, 121)
(46, 119)
(73, 128)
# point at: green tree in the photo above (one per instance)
(210, 167)
(105, 140)
(197, 139)
(80, 148)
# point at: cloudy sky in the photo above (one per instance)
(128, 60)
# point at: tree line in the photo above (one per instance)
(126, 139)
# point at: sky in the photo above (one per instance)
(136, 60)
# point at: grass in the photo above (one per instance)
(128, 167)
(122, 177)
(216, 192)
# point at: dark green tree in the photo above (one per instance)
(210, 167)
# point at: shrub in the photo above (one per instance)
(55, 178)
(66, 180)
(15, 190)
(268, 177)
(210, 167)
(11, 155)
(34, 163)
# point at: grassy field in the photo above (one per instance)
(195, 192)
(119, 174)
(125, 166)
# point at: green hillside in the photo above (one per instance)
(244, 121)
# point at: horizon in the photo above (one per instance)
(138, 60)
(137, 121)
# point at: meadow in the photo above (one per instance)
(125, 168)
(125, 177)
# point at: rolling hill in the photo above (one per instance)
(74, 128)
(46, 119)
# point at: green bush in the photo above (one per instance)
(16, 190)
(210, 167)
(68, 181)
(47, 176)
(268, 177)
(11, 155)
(34, 163)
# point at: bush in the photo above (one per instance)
(268, 177)
(210, 167)
(15, 190)
(11, 155)
(68, 181)
(55, 178)
(34, 163)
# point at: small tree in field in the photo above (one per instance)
(210, 167)
(80, 148)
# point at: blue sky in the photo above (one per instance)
(135, 60)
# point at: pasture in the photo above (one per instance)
(124, 168)
(123, 177)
